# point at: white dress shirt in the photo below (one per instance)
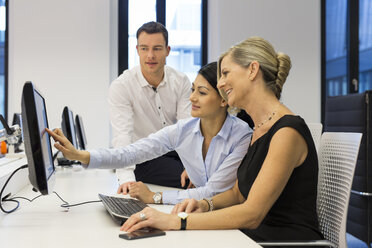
(137, 109)
(212, 175)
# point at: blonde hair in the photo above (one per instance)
(274, 66)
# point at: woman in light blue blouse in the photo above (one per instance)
(211, 146)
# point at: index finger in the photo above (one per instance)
(55, 135)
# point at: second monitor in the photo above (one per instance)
(80, 133)
(68, 126)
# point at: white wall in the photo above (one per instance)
(292, 26)
(64, 48)
(69, 50)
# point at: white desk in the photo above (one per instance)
(19, 180)
(43, 223)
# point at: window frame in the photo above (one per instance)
(123, 19)
(6, 45)
(352, 56)
(6, 57)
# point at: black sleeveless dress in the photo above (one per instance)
(293, 216)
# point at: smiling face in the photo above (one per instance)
(234, 81)
(205, 100)
(152, 52)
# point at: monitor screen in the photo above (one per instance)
(68, 126)
(82, 140)
(37, 141)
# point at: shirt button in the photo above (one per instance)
(159, 107)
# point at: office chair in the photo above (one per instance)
(316, 133)
(338, 153)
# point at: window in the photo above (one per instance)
(347, 47)
(186, 22)
(183, 22)
(3, 59)
(147, 8)
(336, 47)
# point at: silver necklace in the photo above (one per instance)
(268, 119)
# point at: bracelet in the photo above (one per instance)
(210, 203)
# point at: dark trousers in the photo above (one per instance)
(165, 170)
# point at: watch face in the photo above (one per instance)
(182, 215)
(157, 197)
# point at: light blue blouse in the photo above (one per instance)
(215, 174)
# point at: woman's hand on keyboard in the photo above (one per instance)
(124, 188)
(140, 191)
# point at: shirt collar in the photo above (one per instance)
(226, 127)
(197, 127)
(225, 130)
(143, 82)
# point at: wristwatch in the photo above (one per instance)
(183, 217)
(157, 197)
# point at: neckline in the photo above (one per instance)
(252, 144)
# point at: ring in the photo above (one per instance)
(142, 216)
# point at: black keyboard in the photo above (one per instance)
(121, 208)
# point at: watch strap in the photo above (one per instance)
(183, 223)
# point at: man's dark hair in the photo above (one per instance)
(153, 28)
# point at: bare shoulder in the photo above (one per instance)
(287, 142)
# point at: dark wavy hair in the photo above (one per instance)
(209, 72)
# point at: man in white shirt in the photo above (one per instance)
(145, 99)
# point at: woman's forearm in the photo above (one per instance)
(238, 216)
(227, 198)
(83, 157)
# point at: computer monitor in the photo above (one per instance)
(68, 126)
(82, 140)
(36, 140)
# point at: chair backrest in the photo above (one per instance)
(338, 153)
(316, 133)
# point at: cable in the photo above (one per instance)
(5, 198)
(60, 198)
(24, 198)
(55, 156)
(67, 205)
